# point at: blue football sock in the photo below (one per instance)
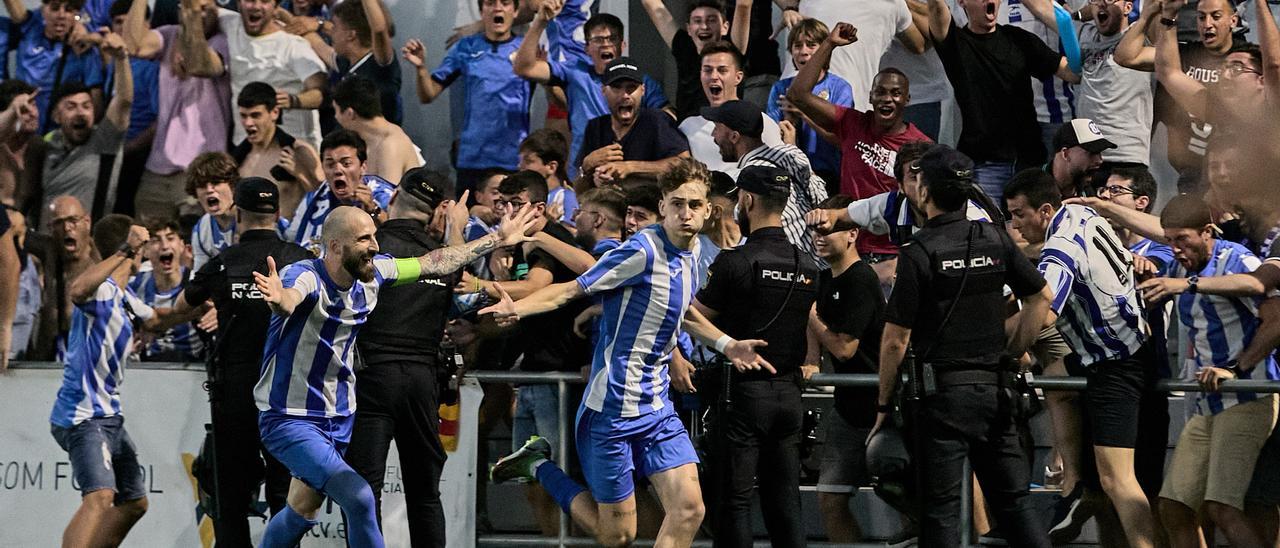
(353, 494)
(559, 485)
(285, 529)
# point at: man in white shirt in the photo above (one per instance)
(262, 52)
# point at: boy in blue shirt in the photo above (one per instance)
(581, 71)
(824, 156)
(496, 108)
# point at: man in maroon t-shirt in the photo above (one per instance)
(869, 141)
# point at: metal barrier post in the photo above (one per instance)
(563, 449)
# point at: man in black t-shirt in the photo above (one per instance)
(361, 46)
(707, 23)
(1199, 60)
(540, 343)
(631, 139)
(847, 321)
(991, 66)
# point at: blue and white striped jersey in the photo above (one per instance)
(208, 238)
(1156, 252)
(889, 213)
(100, 340)
(1219, 328)
(306, 364)
(308, 219)
(182, 338)
(1054, 98)
(645, 285)
(1094, 292)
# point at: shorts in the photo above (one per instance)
(102, 457)
(310, 447)
(844, 456)
(537, 414)
(1049, 349)
(1216, 454)
(1114, 392)
(1264, 487)
(611, 448)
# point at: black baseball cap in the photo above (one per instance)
(1083, 133)
(425, 185)
(943, 164)
(740, 116)
(622, 68)
(765, 180)
(257, 195)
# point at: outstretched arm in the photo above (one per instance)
(939, 20)
(17, 11)
(1269, 42)
(415, 53)
(662, 19)
(512, 231)
(1189, 93)
(143, 42)
(281, 299)
(1132, 51)
(197, 57)
(547, 299)
(383, 51)
(740, 27)
(526, 63)
(741, 353)
(122, 99)
(1144, 224)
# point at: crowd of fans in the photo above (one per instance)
(112, 108)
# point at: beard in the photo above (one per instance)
(358, 266)
(744, 224)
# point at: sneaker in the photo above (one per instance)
(520, 464)
(1070, 513)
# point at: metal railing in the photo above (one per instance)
(563, 380)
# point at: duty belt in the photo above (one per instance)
(975, 376)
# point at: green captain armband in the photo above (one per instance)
(407, 271)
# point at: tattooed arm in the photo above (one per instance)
(513, 230)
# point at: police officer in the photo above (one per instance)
(761, 290)
(240, 462)
(948, 305)
(400, 347)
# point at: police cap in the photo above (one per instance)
(257, 195)
(765, 180)
(942, 164)
(425, 185)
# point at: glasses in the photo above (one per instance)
(513, 204)
(1114, 190)
(602, 40)
(1236, 69)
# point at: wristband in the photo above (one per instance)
(1168, 22)
(294, 101)
(791, 8)
(128, 250)
(722, 343)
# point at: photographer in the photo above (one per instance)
(947, 303)
(762, 289)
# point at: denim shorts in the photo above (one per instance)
(537, 414)
(102, 457)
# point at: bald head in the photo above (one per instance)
(349, 239)
(345, 221)
(69, 224)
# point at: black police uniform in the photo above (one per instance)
(398, 387)
(762, 290)
(971, 411)
(243, 317)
